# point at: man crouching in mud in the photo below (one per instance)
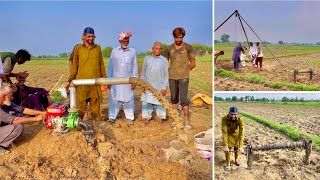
(233, 134)
(11, 125)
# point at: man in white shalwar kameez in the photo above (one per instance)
(155, 72)
(253, 53)
(123, 63)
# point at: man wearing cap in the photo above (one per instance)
(9, 59)
(233, 134)
(88, 63)
(182, 61)
(123, 63)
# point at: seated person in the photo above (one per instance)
(30, 97)
(10, 125)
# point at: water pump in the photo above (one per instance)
(61, 121)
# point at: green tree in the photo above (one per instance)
(164, 47)
(63, 55)
(285, 99)
(234, 98)
(106, 52)
(280, 42)
(225, 38)
(200, 49)
(148, 53)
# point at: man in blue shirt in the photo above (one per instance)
(236, 56)
(155, 72)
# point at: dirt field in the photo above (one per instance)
(121, 152)
(304, 118)
(273, 164)
(230, 84)
(274, 71)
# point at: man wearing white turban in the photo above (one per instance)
(123, 63)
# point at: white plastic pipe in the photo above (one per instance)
(92, 82)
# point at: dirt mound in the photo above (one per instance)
(119, 152)
(274, 71)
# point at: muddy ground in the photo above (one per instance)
(267, 165)
(280, 69)
(120, 151)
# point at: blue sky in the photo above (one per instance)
(52, 27)
(277, 95)
(289, 21)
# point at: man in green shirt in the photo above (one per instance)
(233, 134)
(182, 60)
(9, 59)
(88, 63)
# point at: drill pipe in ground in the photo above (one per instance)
(265, 147)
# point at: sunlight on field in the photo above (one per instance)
(277, 50)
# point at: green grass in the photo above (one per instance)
(281, 103)
(279, 51)
(260, 80)
(56, 97)
(288, 130)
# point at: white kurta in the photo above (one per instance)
(122, 64)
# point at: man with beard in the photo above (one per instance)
(11, 125)
(9, 59)
(123, 63)
(155, 72)
(30, 97)
(233, 134)
(182, 60)
(88, 63)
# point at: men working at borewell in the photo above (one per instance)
(11, 125)
(236, 56)
(233, 135)
(182, 60)
(88, 63)
(155, 72)
(216, 55)
(9, 59)
(253, 53)
(30, 97)
(123, 63)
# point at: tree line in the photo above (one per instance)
(200, 49)
(251, 98)
(224, 39)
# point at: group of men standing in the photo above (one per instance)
(87, 63)
(255, 53)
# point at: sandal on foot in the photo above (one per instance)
(237, 163)
(146, 122)
(188, 127)
(228, 168)
(3, 151)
